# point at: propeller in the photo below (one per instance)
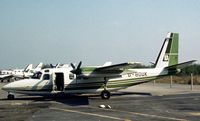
(77, 70)
(51, 66)
(73, 66)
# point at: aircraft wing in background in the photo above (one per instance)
(3, 77)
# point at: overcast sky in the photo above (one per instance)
(95, 31)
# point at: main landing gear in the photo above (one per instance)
(105, 94)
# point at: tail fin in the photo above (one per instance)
(38, 67)
(29, 67)
(168, 55)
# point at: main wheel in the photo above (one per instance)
(11, 97)
(105, 94)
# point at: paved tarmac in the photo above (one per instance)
(143, 102)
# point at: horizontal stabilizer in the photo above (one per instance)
(180, 65)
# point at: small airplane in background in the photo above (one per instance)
(20, 73)
(100, 79)
(58, 65)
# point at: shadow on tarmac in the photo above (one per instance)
(131, 93)
(71, 100)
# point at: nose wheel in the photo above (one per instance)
(105, 94)
(11, 97)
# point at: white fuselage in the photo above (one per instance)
(46, 83)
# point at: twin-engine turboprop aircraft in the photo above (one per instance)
(100, 79)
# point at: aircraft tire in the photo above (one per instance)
(11, 97)
(105, 94)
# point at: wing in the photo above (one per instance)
(111, 71)
(2, 77)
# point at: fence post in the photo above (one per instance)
(191, 81)
(171, 81)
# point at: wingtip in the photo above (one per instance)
(193, 61)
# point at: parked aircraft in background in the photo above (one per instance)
(58, 66)
(101, 79)
(20, 73)
(37, 68)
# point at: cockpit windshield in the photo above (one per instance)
(37, 75)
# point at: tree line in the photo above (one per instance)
(195, 69)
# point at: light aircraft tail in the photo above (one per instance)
(29, 67)
(39, 67)
(168, 55)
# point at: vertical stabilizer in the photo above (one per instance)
(29, 67)
(38, 67)
(168, 55)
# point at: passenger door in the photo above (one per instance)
(59, 82)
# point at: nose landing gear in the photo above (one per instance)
(105, 94)
(10, 96)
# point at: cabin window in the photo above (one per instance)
(71, 76)
(46, 77)
(46, 71)
(37, 75)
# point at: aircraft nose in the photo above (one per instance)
(7, 87)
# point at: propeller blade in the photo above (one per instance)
(51, 65)
(79, 65)
(73, 71)
(73, 66)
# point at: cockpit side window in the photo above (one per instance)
(46, 77)
(37, 75)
